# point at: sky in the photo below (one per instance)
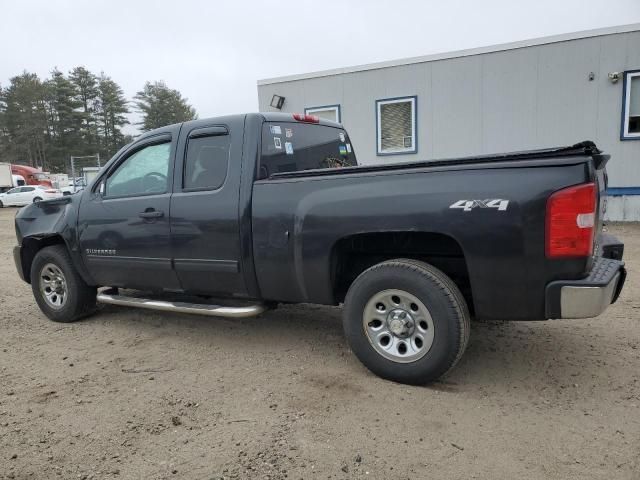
(214, 52)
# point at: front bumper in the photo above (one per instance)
(590, 296)
(17, 258)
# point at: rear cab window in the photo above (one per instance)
(206, 162)
(297, 146)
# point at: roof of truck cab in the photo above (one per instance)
(228, 119)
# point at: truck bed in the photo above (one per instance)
(526, 158)
(307, 223)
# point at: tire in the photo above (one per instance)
(37, 199)
(69, 302)
(1, 204)
(435, 333)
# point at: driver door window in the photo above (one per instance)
(143, 173)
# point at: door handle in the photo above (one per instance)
(150, 213)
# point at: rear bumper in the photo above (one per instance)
(588, 297)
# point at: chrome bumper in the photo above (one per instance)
(586, 302)
(590, 296)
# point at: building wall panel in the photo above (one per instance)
(523, 98)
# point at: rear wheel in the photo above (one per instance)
(59, 290)
(406, 321)
(37, 199)
(1, 204)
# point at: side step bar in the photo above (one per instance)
(112, 297)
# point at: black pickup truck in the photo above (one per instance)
(230, 216)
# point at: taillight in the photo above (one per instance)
(306, 118)
(571, 216)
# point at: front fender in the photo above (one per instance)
(47, 223)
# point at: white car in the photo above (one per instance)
(21, 196)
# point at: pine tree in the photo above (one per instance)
(160, 106)
(25, 121)
(4, 136)
(65, 120)
(111, 110)
(86, 86)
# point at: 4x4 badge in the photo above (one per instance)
(468, 205)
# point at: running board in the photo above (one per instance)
(112, 297)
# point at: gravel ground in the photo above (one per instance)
(139, 394)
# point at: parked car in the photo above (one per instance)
(20, 196)
(272, 208)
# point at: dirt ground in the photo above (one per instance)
(139, 394)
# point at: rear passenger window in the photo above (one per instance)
(295, 147)
(206, 163)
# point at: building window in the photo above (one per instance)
(327, 112)
(396, 126)
(631, 106)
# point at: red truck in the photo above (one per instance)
(32, 176)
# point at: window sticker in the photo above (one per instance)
(349, 147)
(341, 135)
(288, 147)
(288, 132)
(277, 142)
(343, 149)
(275, 130)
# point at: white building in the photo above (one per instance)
(530, 94)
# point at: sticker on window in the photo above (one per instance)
(275, 130)
(288, 132)
(288, 147)
(341, 135)
(349, 147)
(343, 149)
(277, 142)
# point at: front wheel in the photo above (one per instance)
(406, 321)
(59, 290)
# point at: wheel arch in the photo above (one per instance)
(32, 245)
(353, 254)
